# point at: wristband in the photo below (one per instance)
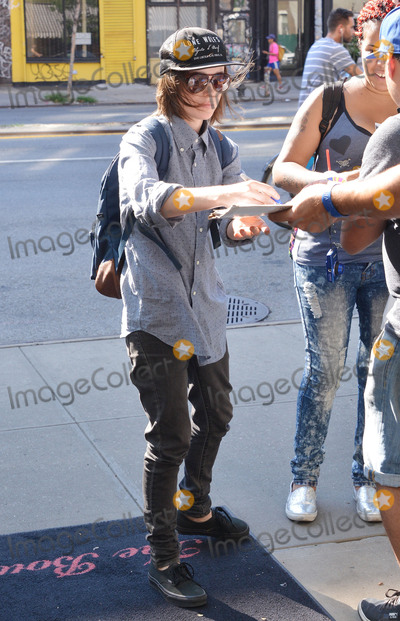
(329, 206)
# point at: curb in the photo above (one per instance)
(58, 129)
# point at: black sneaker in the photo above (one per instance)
(381, 610)
(220, 525)
(177, 585)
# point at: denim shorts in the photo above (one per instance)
(381, 442)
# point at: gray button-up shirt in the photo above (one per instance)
(191, 303)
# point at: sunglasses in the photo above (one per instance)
(198, 82)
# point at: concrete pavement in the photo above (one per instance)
(71, 446)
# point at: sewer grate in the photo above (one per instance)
(245, 310)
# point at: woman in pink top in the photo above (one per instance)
(273, 60)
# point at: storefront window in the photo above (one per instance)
(48, 29)
(164, 20)
(290, 29)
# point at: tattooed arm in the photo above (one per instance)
(356, 198)
(303, 138)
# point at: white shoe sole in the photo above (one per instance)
(302, 517)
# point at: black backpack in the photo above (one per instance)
(107, 237)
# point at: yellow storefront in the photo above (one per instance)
(110, 42)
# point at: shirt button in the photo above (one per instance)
(194, 292)
(197, 262)
(181, 149)
(195, 164)
(201, 229)
(197, 140)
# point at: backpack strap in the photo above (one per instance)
(224, 153)
(156, 128)
(330, 103)
(222, 146)
(161, 157)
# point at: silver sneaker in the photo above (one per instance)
(365, 507)
(301, 505)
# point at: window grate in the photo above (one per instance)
(245, 310)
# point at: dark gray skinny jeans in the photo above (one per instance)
(165, 384)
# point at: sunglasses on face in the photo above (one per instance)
(198, 82)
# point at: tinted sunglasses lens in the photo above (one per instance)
(220, 82)
(197, 83)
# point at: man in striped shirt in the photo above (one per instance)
(327, 59)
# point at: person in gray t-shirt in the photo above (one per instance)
(327, 60)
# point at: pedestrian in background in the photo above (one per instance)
(273, 60)
(327, 60)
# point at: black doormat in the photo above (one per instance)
(98, 572)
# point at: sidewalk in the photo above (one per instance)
(11, 96)
(71, 439)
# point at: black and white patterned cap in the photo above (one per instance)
(193, 48)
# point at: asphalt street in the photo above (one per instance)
(51, 184)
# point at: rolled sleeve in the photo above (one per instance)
(139, 182)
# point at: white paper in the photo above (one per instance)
(246, 210)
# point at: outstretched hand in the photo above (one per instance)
(246, 228)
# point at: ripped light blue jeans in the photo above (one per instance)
(326, 310)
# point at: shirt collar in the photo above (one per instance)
(185, 136)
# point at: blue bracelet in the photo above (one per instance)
(329, 206)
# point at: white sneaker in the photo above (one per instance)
(301, 505)
(364, 497)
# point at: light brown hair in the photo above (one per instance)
(172, 95)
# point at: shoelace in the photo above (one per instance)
(181, 573)
(394, 599)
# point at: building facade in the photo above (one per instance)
(5, 42)
(117, 41)
(110, 41)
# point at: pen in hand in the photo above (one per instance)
(244, 177)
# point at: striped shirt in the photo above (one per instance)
(326, 61)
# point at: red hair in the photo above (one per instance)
(373, 11)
